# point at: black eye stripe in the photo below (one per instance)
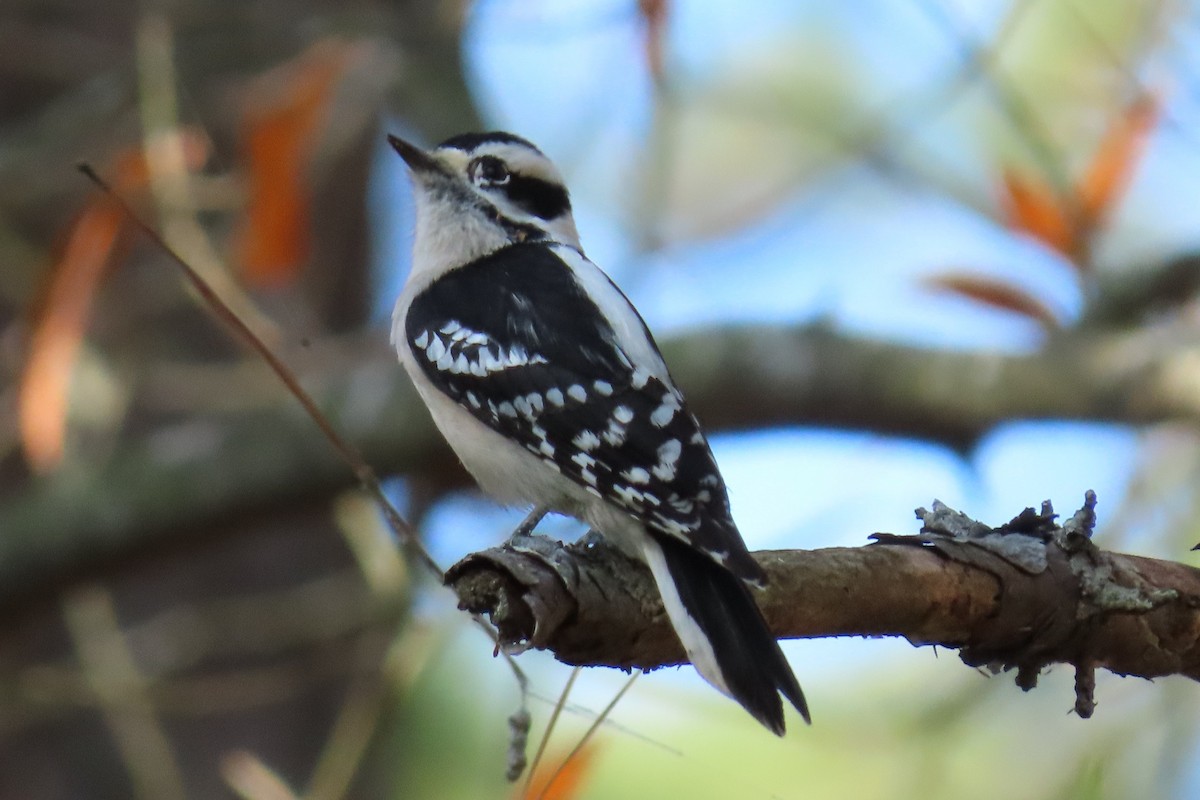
(541, 198)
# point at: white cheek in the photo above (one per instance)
(446, 236)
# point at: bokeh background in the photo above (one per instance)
(978, 222)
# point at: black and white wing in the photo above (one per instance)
(519, 339)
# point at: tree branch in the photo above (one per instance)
(1022, 596)
(210, 466)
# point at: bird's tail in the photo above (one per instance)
(723, 632)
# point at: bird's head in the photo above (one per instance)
(477, 192)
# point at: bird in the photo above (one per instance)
(548, 385)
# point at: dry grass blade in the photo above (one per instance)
(121, 691)
(251, 779)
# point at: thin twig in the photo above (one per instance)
(583, 740)
(554, 715)
(221, 309)
(624, 730)
(879, 124)
(1018, 110)
(349, 454)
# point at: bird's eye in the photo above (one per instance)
(488, 171)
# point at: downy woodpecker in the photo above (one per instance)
(548, 385)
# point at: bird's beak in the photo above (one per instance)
(419, 161)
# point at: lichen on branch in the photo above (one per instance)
(1021, 596)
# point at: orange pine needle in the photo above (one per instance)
(569, 780)
(1120, 150)
(288, 106)
(654, 14)
(1065, 224)
(1033, 209)
(59, 327)
(57, 335)
(994, 293)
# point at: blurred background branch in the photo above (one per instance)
(256, 455)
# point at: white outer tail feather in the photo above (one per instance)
(695, 643)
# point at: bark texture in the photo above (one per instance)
(1019, 597)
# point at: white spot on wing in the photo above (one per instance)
(586, 441)
(670, 526)
(683, 506)
(450, 327)
(435, 350)
(639, 379)
(577, 392)
(665, 412)
(636, 475)
(603, 388)
(668, 457)
(628, 495)
(555, 396)
(623, 414)
(423, 340)
(615, 434)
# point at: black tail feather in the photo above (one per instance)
(748, 655)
